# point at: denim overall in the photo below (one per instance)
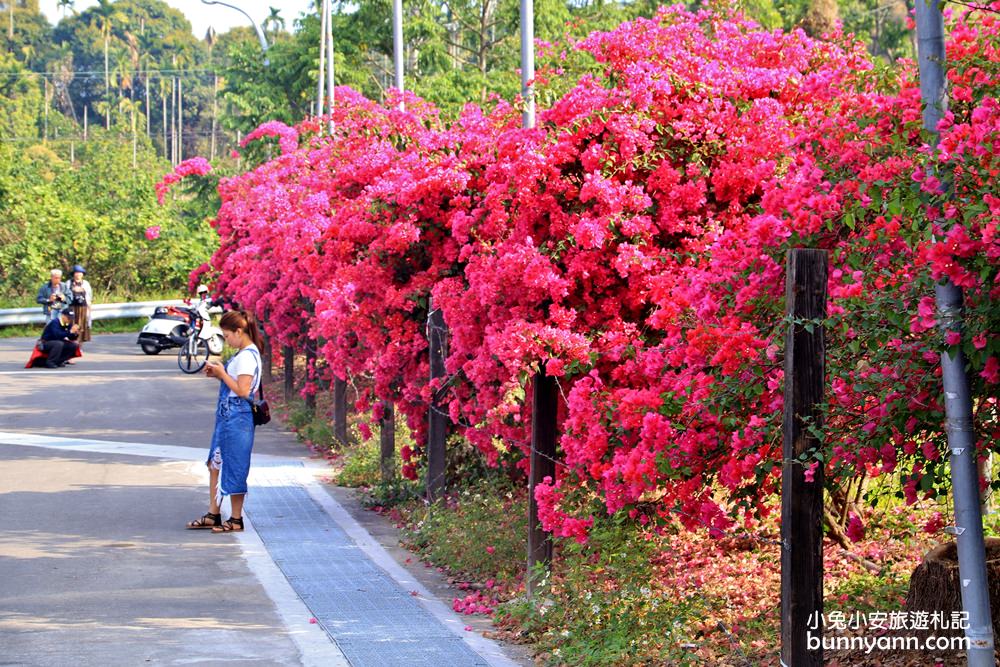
(232, 441)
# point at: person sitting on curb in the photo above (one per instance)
(59, 340)
(53, 295)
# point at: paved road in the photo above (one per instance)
(100, 467)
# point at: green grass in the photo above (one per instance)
(123, 325)
(28, 300)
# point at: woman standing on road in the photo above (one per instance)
(81, 298)
(232, 440)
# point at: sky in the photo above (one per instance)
(202, 16)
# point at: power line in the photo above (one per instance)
(150, 73)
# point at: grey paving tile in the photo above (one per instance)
(372, 619)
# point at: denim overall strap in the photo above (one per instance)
(256, 372)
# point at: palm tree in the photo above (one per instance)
(105, 16)
(274, 23)
(66, 6)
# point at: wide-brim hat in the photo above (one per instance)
(78, 269)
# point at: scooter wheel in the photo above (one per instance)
(149, 348)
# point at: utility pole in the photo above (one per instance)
(968, 529)
(320, 97)
(528, 61)
(215, 113)
(397, 48)
(180, 120)
(329, 68)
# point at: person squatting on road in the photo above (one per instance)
(232, 440)
(59, 340)
(53, 295)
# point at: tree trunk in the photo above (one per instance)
(934, 586)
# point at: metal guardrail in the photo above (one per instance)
(99, 311)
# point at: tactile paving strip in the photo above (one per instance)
(372, 620)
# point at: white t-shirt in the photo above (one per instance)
(245, 362)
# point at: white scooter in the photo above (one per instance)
(167, 327)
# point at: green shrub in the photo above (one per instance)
(480, 532)
(604, 605)
(362, 466)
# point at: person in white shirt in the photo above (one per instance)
(232, 439)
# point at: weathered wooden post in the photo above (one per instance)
(437, 430)
(387, 443)
(544, 407)
(802, 500)
(340, 410)
(267, 354)
(288, 358)
(310, 374)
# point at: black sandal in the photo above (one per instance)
(230, 525)
(208, 520)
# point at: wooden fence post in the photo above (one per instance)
(544, 405)
(267, 354)
(387, 442)
(288, 357)
(340, 410)
(802, 500)
(438, 427)
(310, 373)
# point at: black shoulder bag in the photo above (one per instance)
(258, 406)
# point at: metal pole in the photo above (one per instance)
(260, 33)
(180, 120)
(397, 47)
(320, 96)
(329, 68)
(968, 529)
(528, 61)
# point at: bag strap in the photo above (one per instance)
(256, 371)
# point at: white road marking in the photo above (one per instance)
(42, 372)
(315, 646)
(290, 607)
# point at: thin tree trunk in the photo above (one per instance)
(148, 107)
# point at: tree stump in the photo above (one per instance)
(934, 585)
